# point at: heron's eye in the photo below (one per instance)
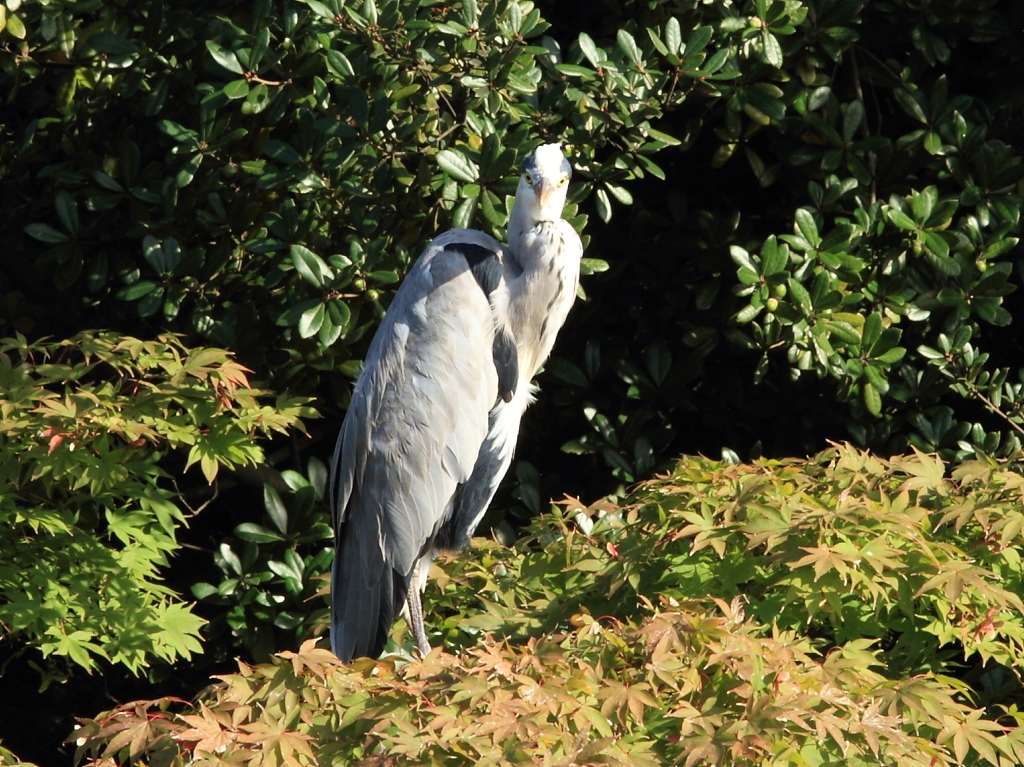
(563, 181)
(529, 177)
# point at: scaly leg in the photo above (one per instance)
(419, 632)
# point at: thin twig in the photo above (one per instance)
(992, 406)
(440, 92)
(448, 132)
(14, 655)
(193, 547)
(207, 502)
(251, 77)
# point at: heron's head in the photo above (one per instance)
(544, 183)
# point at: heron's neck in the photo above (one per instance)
(541, 295)
(520, 223)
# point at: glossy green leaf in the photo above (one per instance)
(137, 290)
(237, 89)
(800, 296)
(383, 276)
(872, 399)
(462, 216)
(663, 138)
(852, 119)
(747, 313)
(772, 49)
(310, 266)
(188, 171)
(876, 379)
(311, 320)
(922, 203)
(998, 248)
(627, 44)
(872, 330)
(844, 331)
(14, 25)
(107, 182)
(275, 507)
(698, 40)
(490, 204)
(620, 193)
(910, 104)
(153, 252)
(806, 227)
(339, 64)
(901, 219)
(673, 36)
(604, 206)
(743, 259)
(339, 313)
(892, 356)
(45, 233)
(590, 50)
(225, 57)
(457, 165)
(250, 531)
(470, 13)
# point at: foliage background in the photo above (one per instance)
(578, 666)
(802, 223)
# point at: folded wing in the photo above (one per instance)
(413, 434)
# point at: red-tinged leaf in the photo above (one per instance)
(234, 376)
(55, 441)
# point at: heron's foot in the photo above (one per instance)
(419, 631)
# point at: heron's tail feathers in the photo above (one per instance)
(363, 604)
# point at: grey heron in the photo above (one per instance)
(435, 411)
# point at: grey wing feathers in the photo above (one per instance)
(473, 497)
(412, 435)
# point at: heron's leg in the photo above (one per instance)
(419, 632)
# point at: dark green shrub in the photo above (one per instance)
(262, 177)
(273, 570)
(844, 207)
